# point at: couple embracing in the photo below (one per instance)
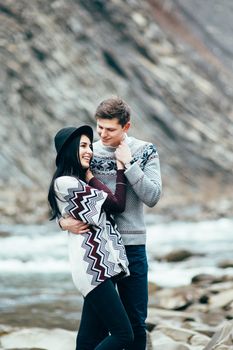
(97, 193)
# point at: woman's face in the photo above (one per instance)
(85, 151)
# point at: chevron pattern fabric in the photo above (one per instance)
(99, 253)
(85, 203)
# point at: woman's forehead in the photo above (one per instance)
(85, 138)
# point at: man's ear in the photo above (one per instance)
(126, 126)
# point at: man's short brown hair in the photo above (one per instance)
(114, 107)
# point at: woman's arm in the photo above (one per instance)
(114, 203)
(79, 200)
(85, 202)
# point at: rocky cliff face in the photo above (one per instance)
(59, 59)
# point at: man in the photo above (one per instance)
(142, 171)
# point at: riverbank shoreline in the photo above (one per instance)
(190, 288)
(192, 317)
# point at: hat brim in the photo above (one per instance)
(82, 130)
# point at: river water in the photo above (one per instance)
(35, 282)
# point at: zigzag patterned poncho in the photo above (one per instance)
(98, 254)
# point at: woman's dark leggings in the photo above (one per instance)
(103, 306)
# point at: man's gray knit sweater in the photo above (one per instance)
(143, 185)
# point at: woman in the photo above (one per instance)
(98, 256)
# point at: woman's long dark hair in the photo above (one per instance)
(68, 165)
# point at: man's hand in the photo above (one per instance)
(123, 153)
(73, 225)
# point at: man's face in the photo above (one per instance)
(111, 132)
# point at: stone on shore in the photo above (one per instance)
(222, 339)
(177, 255)
(203, 323)
(225, 264)
(221, 300)
(38, 338)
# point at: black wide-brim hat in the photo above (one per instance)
(66, 135)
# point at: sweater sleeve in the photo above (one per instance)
(114, 203)
(79, 200)
(146, 180)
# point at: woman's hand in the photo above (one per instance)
(123, 153)
(73, 225)
(89, 175)
(120, 165)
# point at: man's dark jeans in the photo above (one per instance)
(133, 292)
